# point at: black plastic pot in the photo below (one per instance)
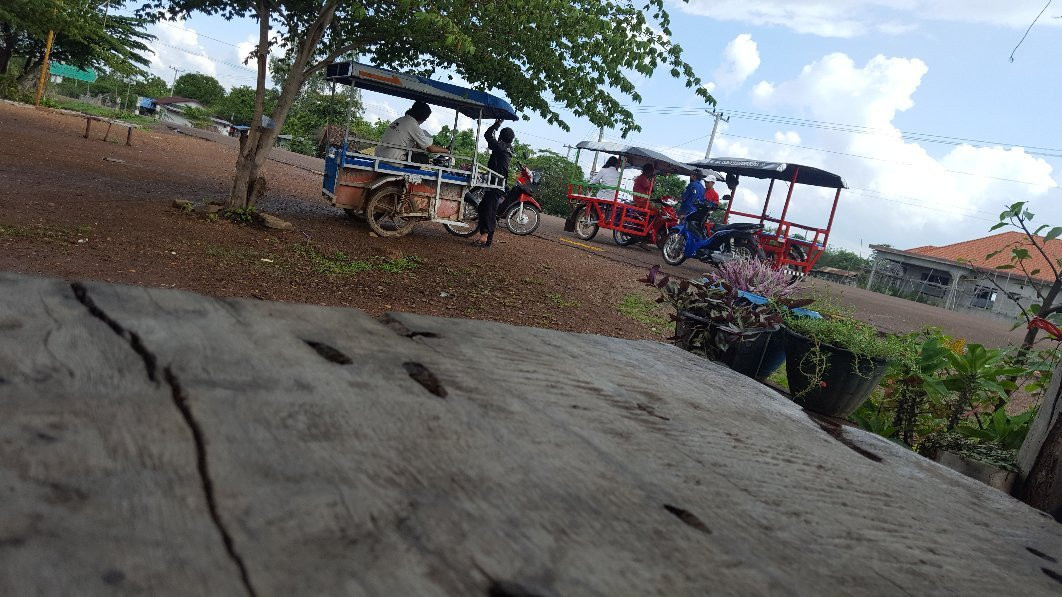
(757, 353)
(846, 381)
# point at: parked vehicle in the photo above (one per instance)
(613, 208)
(797, 250)
(394, 195)
(722, 243)
(518, 210)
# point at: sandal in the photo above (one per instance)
(477, 243)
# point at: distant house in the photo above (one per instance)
(833, 274)
(959, 277)
(171, 109)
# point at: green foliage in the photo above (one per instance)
(87, 35)
(582, 54)
(198, 86)
(95, 110)
(556, 171)
(241, 215)
(338, 264)
(238, 105)
(989, 453)
(668, 185)
(843, 259)
(199, 117)
(849, 334)
(1006, 431)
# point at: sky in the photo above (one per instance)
(915, 103)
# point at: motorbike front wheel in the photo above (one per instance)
(585, 227)
(522, 222)
(674, 248)
(622, 238)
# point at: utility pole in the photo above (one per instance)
(600, 136)
(715, 126)
(174, 86)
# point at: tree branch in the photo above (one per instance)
(1032, 239)
(336, 54)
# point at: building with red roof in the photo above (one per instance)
(964, 276)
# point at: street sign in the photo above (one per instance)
(70, 72)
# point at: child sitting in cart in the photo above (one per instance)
(643, 186)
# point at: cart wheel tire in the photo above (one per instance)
(355, 214)
(584, 228)
(795, 253)
(622, 238)
(522, 225)
(673, 249)
(462, 231)
(384, 213)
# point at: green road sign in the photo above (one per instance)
(70, 72)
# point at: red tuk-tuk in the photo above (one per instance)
(780, 242)
(615, 208)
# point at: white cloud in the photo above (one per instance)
(741, 58)
(901, 192)
(850, 18)
(165, 55)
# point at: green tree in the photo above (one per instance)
(668, 185)
(200, 87)
(87, 35)
(575, 54)
(238, 105)
(149, 85)
(843, 259)
(557, 171)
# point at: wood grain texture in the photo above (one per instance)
(426, 456)
(99, 493)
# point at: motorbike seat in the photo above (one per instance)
(742, 226)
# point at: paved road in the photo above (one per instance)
(887, 313)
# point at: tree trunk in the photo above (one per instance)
(249, 182)
(8, 38)
(1040, 457)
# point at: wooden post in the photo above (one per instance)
(44, 68)
(108, 133)
(129, 137)
(88, 123)
(1040, 458)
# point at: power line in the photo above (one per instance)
(220, 41)
(1022, 40)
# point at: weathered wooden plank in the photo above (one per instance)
(455, 456)
(1040, 457)
(99, 493)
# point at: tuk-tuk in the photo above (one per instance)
(631, 218)
(779, 242)
(394, 194)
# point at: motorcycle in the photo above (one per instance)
(660, 221)
(722, 243)
(518, 210)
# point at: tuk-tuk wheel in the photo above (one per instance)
(622, 238)
(585, 227)
(385, 210)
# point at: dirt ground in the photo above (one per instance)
(88, 209)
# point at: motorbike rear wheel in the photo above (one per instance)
(622, 238)
(585, 227)
(748, 248)
(673, 249)
(385, 212)
(523, 223)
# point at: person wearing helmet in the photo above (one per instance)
(405, 133)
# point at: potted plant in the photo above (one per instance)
(713, 319)
(990, 463)
(833, 363)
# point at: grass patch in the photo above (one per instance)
(562, 301)
(645, 311)
(42, 232)
(94, 110)
(779, 378)
(338, 264)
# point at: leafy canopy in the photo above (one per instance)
(580, 54)
(200, 87)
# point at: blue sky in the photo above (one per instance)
(918, 66)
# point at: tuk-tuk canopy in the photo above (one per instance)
(468, 102)
(639, 156)
(778, 171)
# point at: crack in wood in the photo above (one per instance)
(329, 353)
(1052, 574)
(835, 431)
(1041, 555)
(400, 328)
(504, 588)
(689, 518)
(180, 400)
(422, 375)
(149, 358)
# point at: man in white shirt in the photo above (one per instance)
(406, 132)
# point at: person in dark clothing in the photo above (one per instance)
(501, 153)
